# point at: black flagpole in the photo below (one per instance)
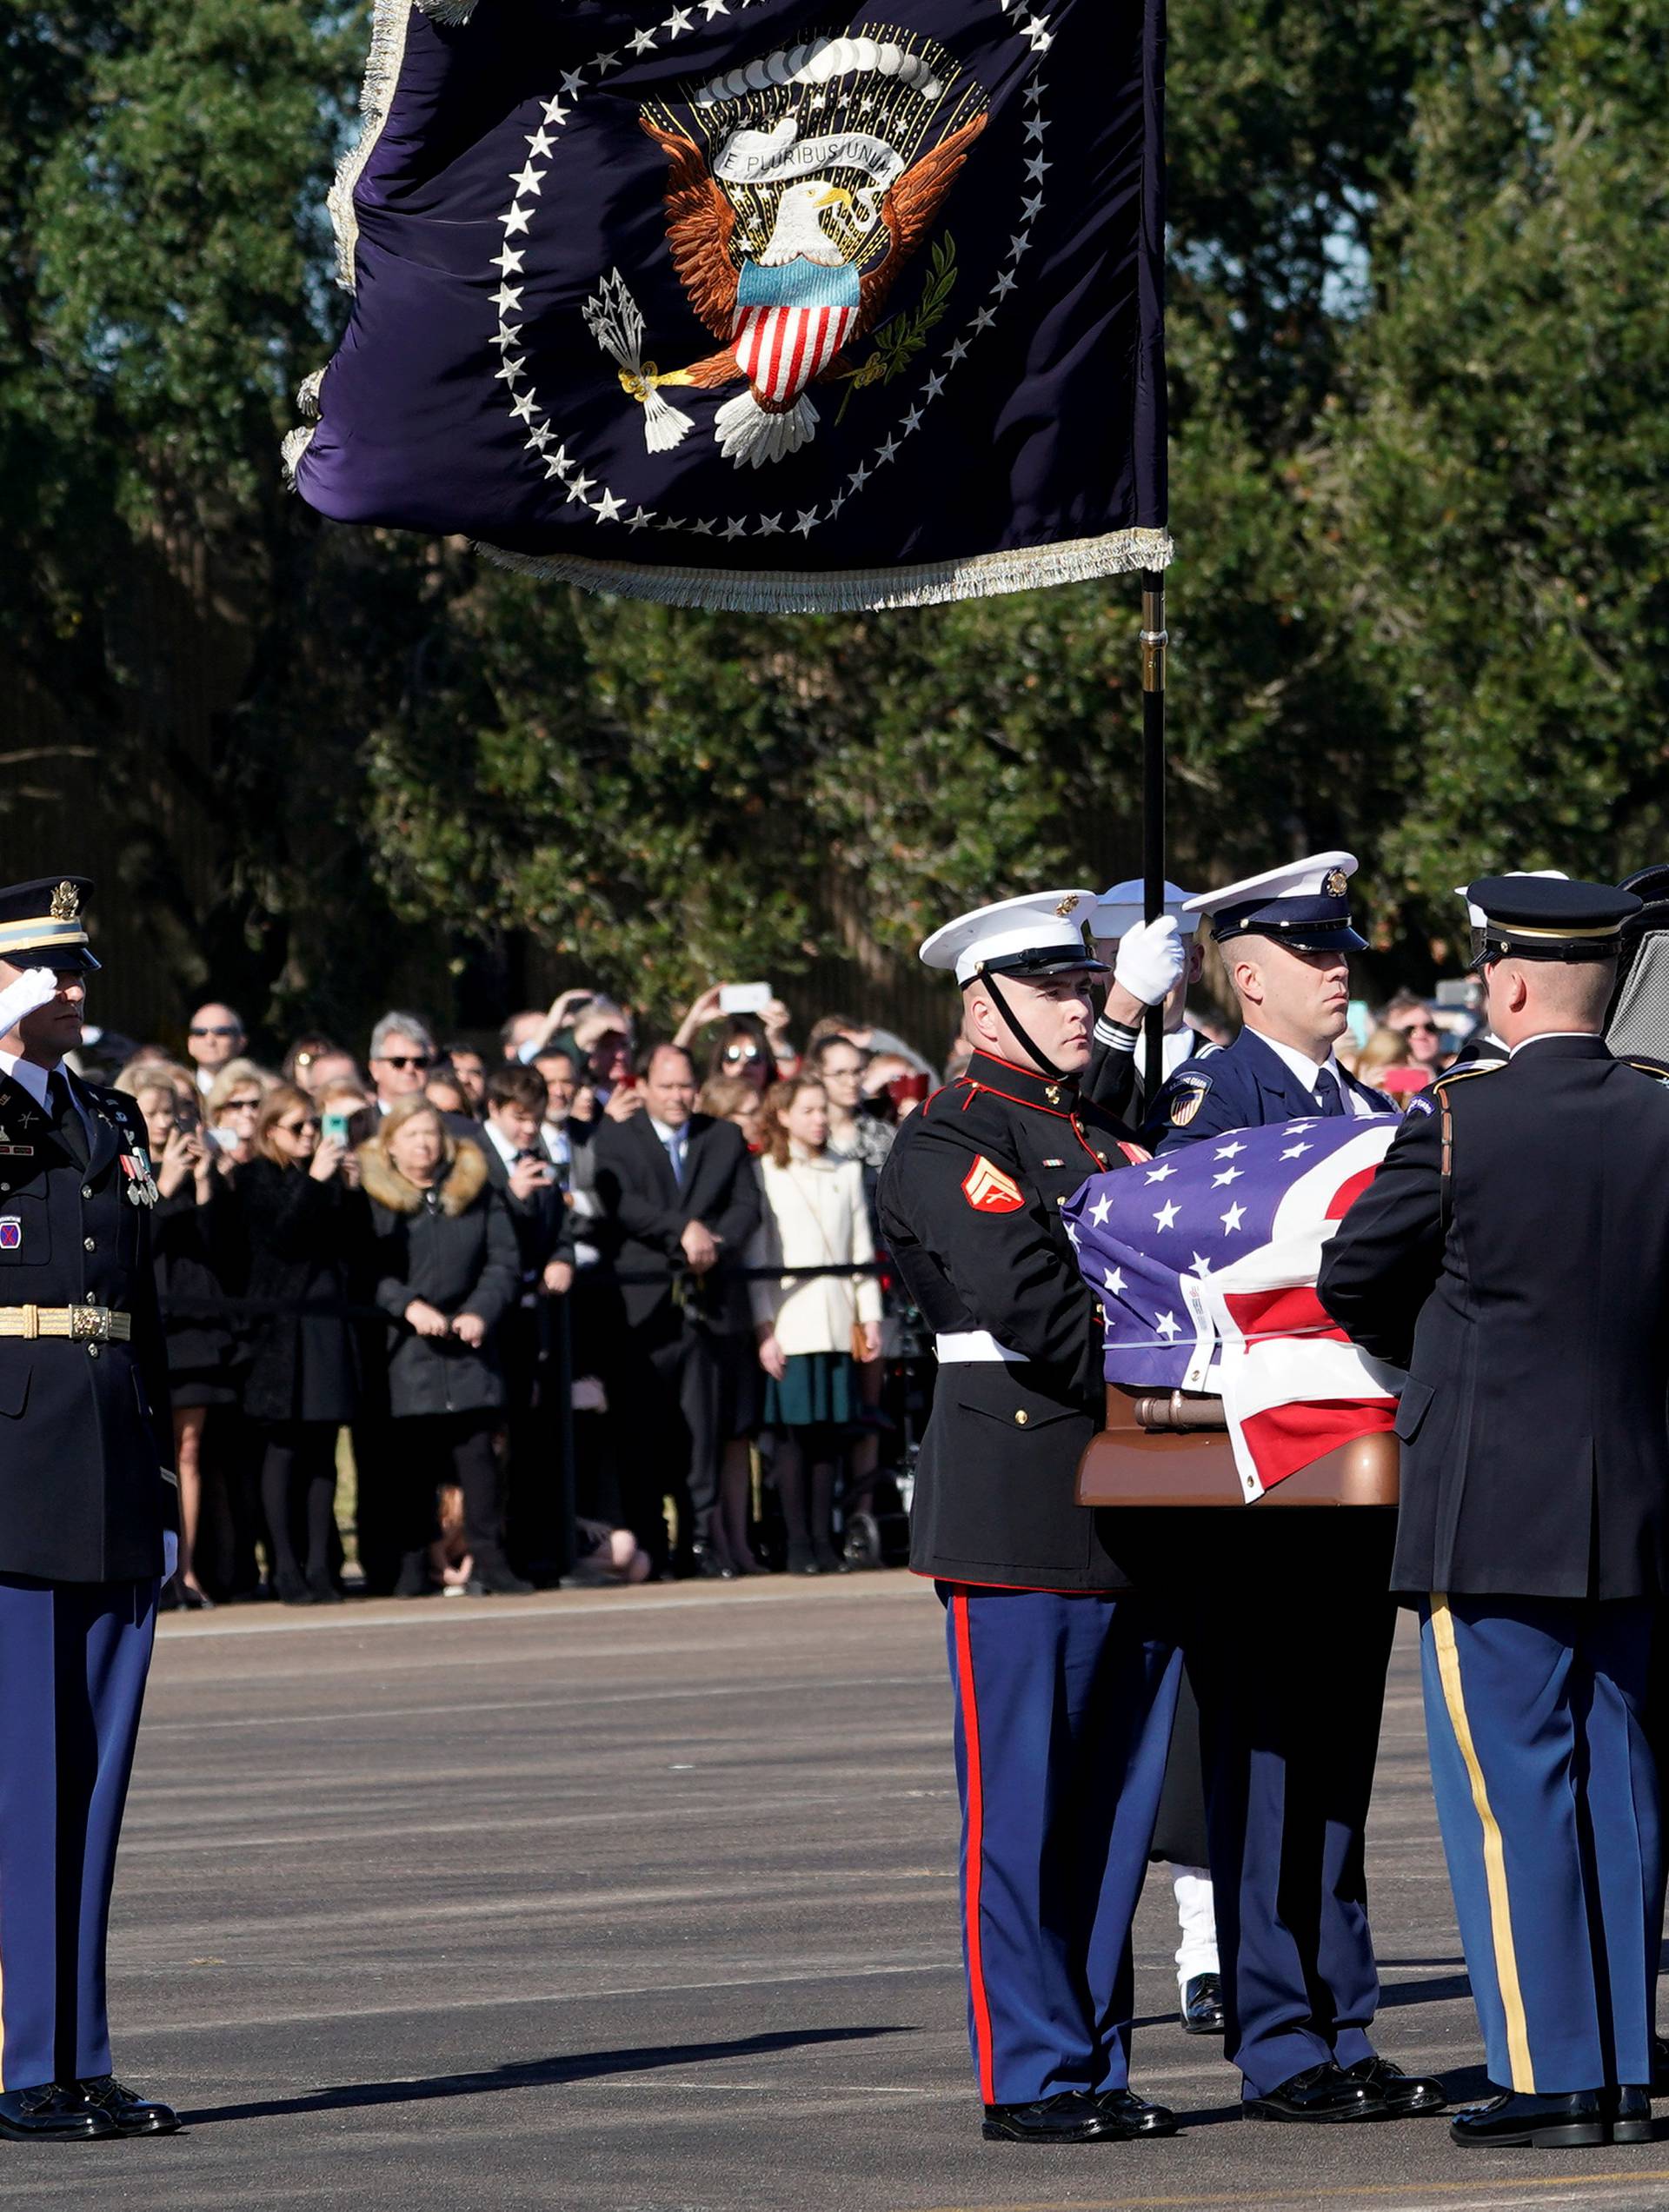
(1153, 800)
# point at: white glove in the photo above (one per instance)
(1152, 957)
(31, 990)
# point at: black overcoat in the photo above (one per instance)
(305, 1239)
(454, 1247)
(1535, 1432)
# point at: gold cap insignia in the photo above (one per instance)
(1335, 883)
(1069, 905)
(66, 903)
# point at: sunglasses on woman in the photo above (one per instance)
(296, 1128)
(742, 1052)
(242, 1105)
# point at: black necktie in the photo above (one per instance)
(1329, 1099)
(71, 1129)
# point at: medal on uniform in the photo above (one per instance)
(8, 1150)
(141, 1186)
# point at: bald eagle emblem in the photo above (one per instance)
(1335, 883)
(798, 189)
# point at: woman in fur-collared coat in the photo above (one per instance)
(446, 1269)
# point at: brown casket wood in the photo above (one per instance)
(1172, 1448)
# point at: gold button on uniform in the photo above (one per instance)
(1021, 1417)
(90, 1243)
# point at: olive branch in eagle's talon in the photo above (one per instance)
(903, 336)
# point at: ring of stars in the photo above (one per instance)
(531, 417)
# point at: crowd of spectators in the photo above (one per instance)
(442, 1320)
(448, 1320)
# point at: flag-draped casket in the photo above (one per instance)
(1205, 1263)
(756, 303)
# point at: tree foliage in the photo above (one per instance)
(1419, 326)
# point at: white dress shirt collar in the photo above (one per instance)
(33, 1079)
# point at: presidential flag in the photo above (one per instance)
(756, 303)
(1205, 1264)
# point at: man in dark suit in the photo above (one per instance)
(87, 1516)
(680, 1200)
(1512, 1253)
(1287, 1616)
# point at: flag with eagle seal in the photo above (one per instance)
(753, 304)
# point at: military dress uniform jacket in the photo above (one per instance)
(85, 1436)
(969, 1202)
(1535, 1420)
(1242, 1085)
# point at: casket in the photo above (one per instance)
(1172, 1448)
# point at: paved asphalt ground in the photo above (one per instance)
(647, 1901)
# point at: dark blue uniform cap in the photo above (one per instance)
(1547, 918)
(1305, 903)
(41, 923)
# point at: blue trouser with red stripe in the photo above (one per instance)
(1547, 1800)
(73, 1659)
(1064, 1704)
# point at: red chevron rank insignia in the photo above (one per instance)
(987, 1190)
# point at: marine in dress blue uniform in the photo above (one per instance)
(1064, 1681)
(1513, 1254)
(1288, 1627)
(85, 1499)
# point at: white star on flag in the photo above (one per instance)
(540, 145)
(516, 218)
(808, 521)
(1228, 1175)
(1229, 1152)
(770, 526)
(1071, 1236)
(607, 508)
(578, 489)
(1102, 1208)
(1202, 1267)
(555, 111)
(735, 527)
(1159, 1174)
(1115, 1281)
(1166, 1326)
(528, 179)
(1297, 1152)
(641, 520)
(1167, 1213)
(1233, 1218)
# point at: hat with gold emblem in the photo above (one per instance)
(1305, 905)
(42, 924)
(1042, 933)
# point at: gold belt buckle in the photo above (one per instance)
(89, 1323)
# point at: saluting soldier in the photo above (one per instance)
(1513, 1254)
(1064, 1684)
(86, 1497)
(1288, 1613)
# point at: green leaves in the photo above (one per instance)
(899, 340)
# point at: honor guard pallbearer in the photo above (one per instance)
(1513, 1254)
(1064, 1686)
(86, 1497)
(1287, 1616)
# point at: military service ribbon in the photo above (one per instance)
(751, 305)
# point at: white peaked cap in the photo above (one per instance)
(1041, 933)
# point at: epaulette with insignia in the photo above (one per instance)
(1657, 1069)
(1470, 1067)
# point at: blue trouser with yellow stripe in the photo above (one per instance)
(1547, 1799)
(1064, 1704)
(73, 1659)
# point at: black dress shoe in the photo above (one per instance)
(127, 2113)
(1320, 2093)
(1404, 2094)
(1518, 2121)
(1202, 2005)
(1131, 2115)
(499, 1581)
(802, 1560)
(710, 1568)
(1631, 2115)
(48, 2114)
(1073, 2116)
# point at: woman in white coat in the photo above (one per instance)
(810, 1330)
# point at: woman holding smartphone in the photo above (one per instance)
(305, 1231)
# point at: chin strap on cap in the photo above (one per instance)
(1055, 1075)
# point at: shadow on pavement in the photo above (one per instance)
(532, 2074)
